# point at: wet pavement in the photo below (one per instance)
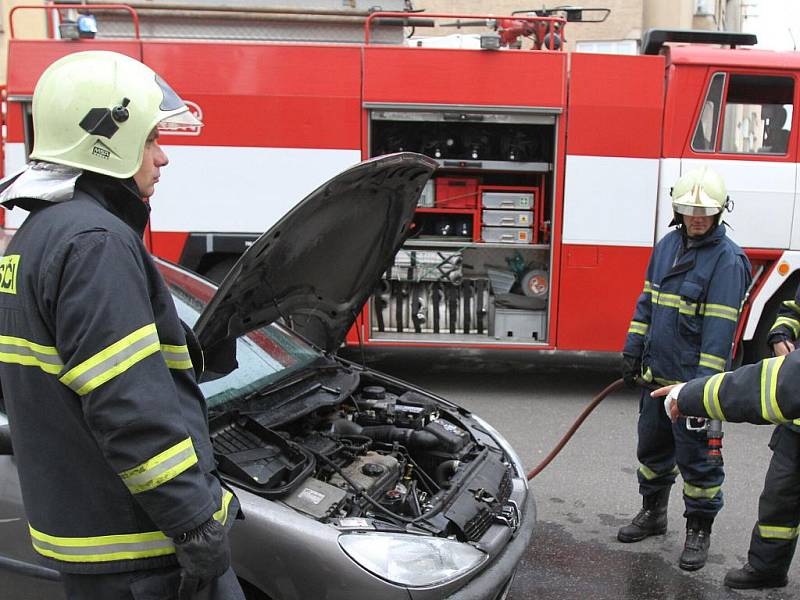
(590, 489)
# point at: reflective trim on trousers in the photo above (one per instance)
(693, 491)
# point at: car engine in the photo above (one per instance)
(390, 457)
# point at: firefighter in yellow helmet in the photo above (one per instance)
(108, 423)
(684, 327)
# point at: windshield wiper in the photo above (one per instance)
(291, 380)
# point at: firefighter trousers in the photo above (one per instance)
(774, 536)
(154, 584)
(661, 445)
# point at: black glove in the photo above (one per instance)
(631, 369)
(777, 336)
(203, 554)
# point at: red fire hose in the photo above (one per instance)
(613, 387)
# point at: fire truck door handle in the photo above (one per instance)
(462, 117)
(463, 163)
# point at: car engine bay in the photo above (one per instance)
(382, 457)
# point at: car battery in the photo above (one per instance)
(507, 235)
(457, 192)
(507, 218)
(507, 200)
(519, 324)
(426, 198)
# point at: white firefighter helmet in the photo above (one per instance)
(94, 110)
(700, 193)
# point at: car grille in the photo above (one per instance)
(477, 526)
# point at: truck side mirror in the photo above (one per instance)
(5, 441)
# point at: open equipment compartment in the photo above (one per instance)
(477, 266)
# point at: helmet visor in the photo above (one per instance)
(697, 203)
(180, 121)
(693, 210)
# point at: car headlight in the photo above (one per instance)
(412, 560)
(503, 443)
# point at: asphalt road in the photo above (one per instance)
(590, 489)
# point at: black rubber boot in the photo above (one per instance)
(747, 578)
(698, 539)
(651, 520)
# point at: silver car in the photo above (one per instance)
(353, 484)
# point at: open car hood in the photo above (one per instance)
(318, 265)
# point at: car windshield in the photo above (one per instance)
(264, 355)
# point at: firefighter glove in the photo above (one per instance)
(778, 336)
(203, 555)
(631, 369)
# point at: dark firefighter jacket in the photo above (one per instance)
(686, 317)
(787, 327)
(109, 426)
(761, 393)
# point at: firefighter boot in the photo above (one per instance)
(651, 520)
(698, 539)
(747, 578)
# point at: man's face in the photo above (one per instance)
(698, 226)
(154, 158)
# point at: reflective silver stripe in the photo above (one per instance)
(106, 548)
(649, 474)
(112, 365)
(777, 532)
(789, 322)
(161, 468)
(638, 327)
(769, 403)
(176, 357)
(107, 551)
(693, 491)
(23, 352)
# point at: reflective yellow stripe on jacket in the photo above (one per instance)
(161, 468)
(789, 322)
(176, 357)
(638, 327)
(770, 410)
(105, 365)
(20, 351)
(711, 397)
(113, 547)
(113, 360)
(720, 311)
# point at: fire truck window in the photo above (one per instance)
(705, 134)
(758, 115)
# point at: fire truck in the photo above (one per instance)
(555, 167)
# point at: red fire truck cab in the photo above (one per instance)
(554, 178)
